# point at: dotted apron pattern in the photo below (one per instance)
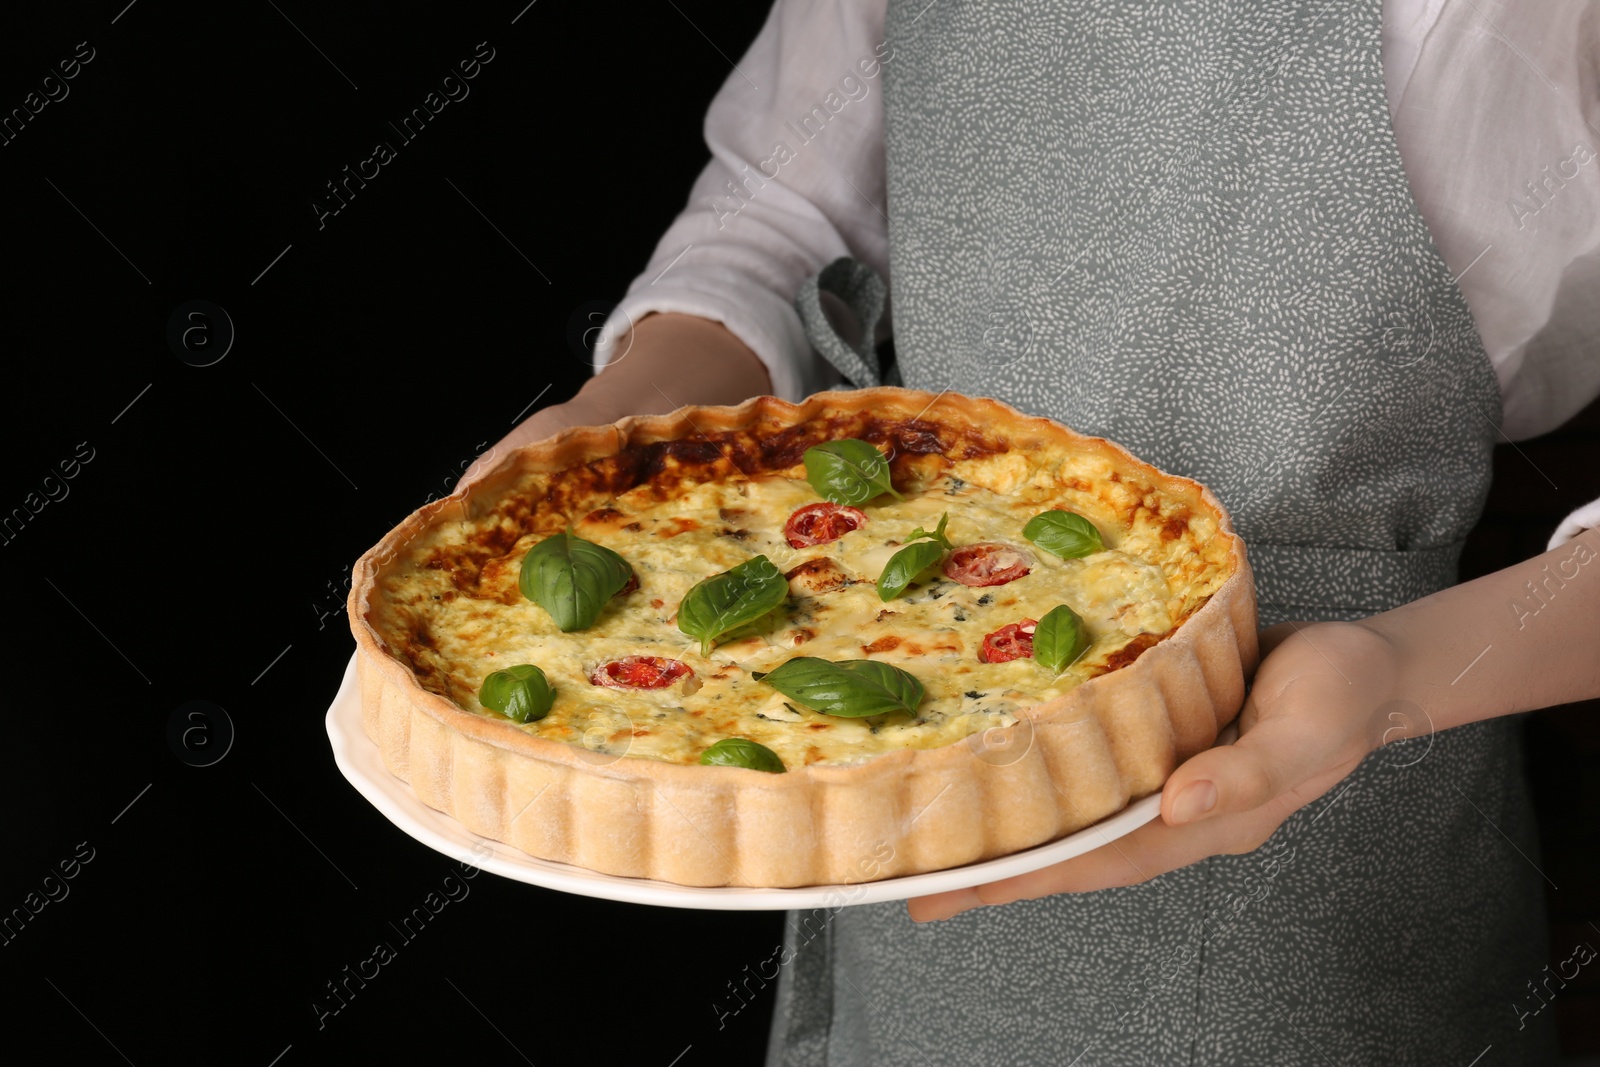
(1185, 227)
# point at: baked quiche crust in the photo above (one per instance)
(1065, 763)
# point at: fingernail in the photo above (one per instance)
(1196, 800)
(951, 905)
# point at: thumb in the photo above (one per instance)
(1274, 757)
(541, 424)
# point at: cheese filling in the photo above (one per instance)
(933, 630)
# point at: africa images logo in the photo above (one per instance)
(454, 89)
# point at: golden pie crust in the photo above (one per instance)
(1066, 764)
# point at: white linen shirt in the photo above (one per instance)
(1495, 109)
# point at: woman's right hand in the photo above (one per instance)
(541, 424)
(669, 360)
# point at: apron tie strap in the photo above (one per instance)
(863, 291)
(1314, 582)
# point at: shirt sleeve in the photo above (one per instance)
(796, 179)
(1494, 126)
(1585, 518)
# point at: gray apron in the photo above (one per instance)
(1185, 227)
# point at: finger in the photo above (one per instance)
(1273, 636)
(490, 459)
(537, 427)
(482, 465)
(1153, 849)
(1273, 757)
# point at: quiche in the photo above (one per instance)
(877, 633)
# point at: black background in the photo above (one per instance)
(201, 553)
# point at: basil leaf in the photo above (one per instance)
(1065, 533)
(736, 596)
(520, 693)
(1059, 639)
(938, 533)
(572, 578)
(739, 752)
(853, 689)
(905, 565)
(848, 471)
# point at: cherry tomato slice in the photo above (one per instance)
(985, 563)
(1012, 641)
(817, 524)
(640, 672)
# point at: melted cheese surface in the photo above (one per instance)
(933, 630)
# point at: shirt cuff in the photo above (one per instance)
(756, 316)
(1585, 518)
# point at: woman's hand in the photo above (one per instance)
(579, 411)
(1318, 705)
(1326, 694)
(665, 361)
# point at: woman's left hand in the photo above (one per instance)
(1315, 709)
